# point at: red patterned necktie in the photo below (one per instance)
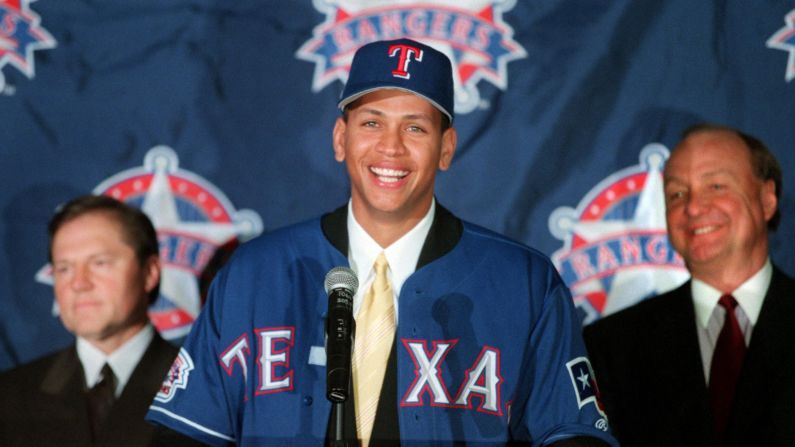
(727, 361)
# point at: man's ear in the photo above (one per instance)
(769, 199)
(151, 271)
(449, 141)
(338, 139)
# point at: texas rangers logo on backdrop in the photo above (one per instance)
(194, 220)
(471, 33)
(20, 36)
(616, 250)
(784, 39)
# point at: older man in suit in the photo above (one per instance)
(711, 362)
(106, 272)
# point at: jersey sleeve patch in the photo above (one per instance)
(177, 377)
(585, 387)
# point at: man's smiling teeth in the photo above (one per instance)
(704, 230)
(388, 175)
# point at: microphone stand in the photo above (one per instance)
(338, 388)
(338, 397)
(338, 440)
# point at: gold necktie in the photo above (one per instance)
(375, 332)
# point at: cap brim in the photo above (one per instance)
(345, 101)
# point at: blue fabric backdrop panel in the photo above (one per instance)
(215, 117)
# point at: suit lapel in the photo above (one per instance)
(681, 342)
(675, 375)
(64, 371)
(763, 402)
(690, 386)
(64, 382)
(775, 317)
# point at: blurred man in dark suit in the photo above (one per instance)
(710, 362)
(106, 272)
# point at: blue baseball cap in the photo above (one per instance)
(402, 64)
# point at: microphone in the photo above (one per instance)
(341, 285)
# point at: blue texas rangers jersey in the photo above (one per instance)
(488, 349)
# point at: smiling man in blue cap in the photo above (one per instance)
(462, 335)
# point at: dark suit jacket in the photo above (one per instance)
(43, 403)
(648, 366)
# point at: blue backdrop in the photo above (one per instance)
(215, 117)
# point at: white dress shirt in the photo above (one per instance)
(122, 361)
(710, 316)
(402, 255)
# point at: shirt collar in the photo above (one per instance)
(122, 361)
(750, 295)
(402, 255)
